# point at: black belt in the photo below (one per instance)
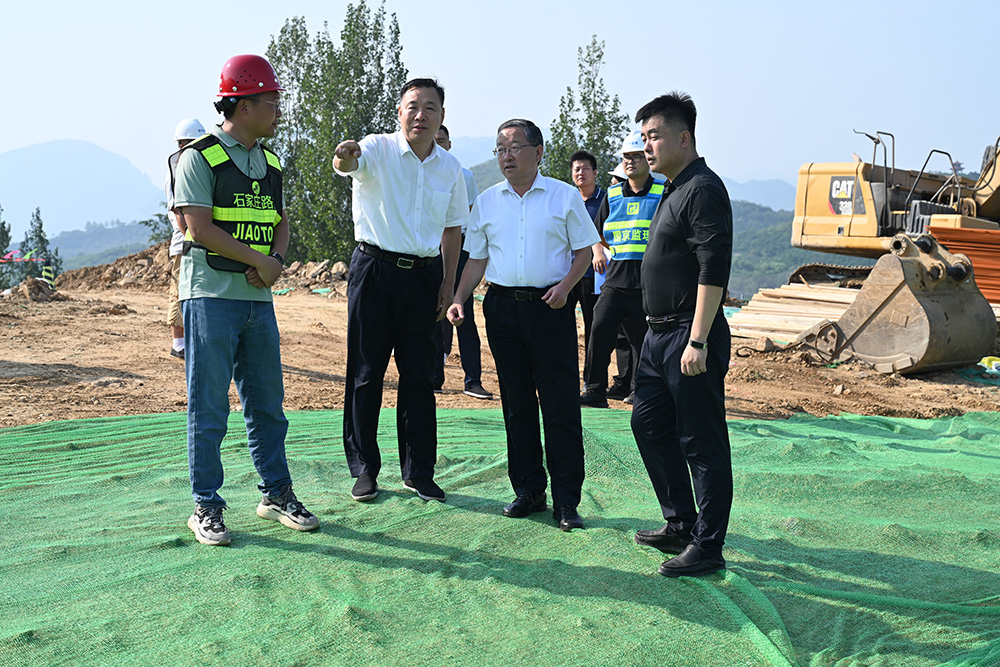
(395, 258)
(521, 293)
(668, 322)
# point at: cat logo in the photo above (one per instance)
(256, 188)
(842, 188)
(632, 208)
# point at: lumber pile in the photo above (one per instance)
(782, 313)
(982, 246)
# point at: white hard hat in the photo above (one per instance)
(189, 128)
(619, 172)
(632, 143)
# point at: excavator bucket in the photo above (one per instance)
(919, 310)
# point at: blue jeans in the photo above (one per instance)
(233, 340)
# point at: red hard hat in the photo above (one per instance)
(247, 75)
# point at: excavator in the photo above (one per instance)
(919, 307)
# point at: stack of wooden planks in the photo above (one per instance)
(782, 313)
(982, 247)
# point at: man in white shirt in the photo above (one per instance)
(186, 131)
(531, 237)
(409, 204)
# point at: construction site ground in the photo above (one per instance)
(99, 348)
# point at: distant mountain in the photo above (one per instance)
(73, 183)
(773, 193)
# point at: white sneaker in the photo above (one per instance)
(207, 525)
(287, 509)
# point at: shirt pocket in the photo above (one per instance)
(437, 210)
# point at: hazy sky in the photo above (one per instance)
(777, 84)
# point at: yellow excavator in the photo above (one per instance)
(919, 308)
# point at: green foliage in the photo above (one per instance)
(763, 255)
(332, 94)
(589, 119)
(36, 243)
(160, 229)
(5, 277)
(487, 174)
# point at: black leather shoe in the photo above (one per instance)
(662, 539)
(593, 399)
(567, 517)
(692, 562)
(525, 504)
(618, 392)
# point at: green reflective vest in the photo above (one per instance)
(242, 206)
(627, 228)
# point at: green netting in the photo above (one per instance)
(854, 541)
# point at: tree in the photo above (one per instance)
(589, 119)
(332, 94)
(36, 246)
(5, 271)
(160, 229)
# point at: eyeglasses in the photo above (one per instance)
(513, 150)
(276, 105)
(634, 157)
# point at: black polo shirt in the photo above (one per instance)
(690, 242)
(622, 273)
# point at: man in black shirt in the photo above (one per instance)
(679, 416)
(623, 220)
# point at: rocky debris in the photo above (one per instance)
(33, 289)
(149, 269)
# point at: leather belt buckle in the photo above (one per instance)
(523, 295)
(404, 263)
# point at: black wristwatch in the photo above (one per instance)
(278, 257)
(697, 344)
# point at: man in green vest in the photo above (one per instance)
(227, 189)
(623, 219)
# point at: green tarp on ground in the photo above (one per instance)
(854, 541)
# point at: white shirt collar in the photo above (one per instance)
(537, 184)
(404, 147)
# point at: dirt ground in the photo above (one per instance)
(99, 346)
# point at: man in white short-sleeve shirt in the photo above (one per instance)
(531, 237)
(409, 205)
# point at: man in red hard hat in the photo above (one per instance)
(227, 188)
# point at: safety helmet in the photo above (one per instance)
(189, 128)
(632, 143)
(619, 172)
(247, 75)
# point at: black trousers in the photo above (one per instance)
(535, 350)
(627, 360)
(584, 293)
(468, 340)
(389, 308)
(616, 308)
(679, 423)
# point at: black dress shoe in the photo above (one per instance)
(692, 562)
(593, 399)
(567, 517)
(525, 504)
(618, 392)
(662, 539)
